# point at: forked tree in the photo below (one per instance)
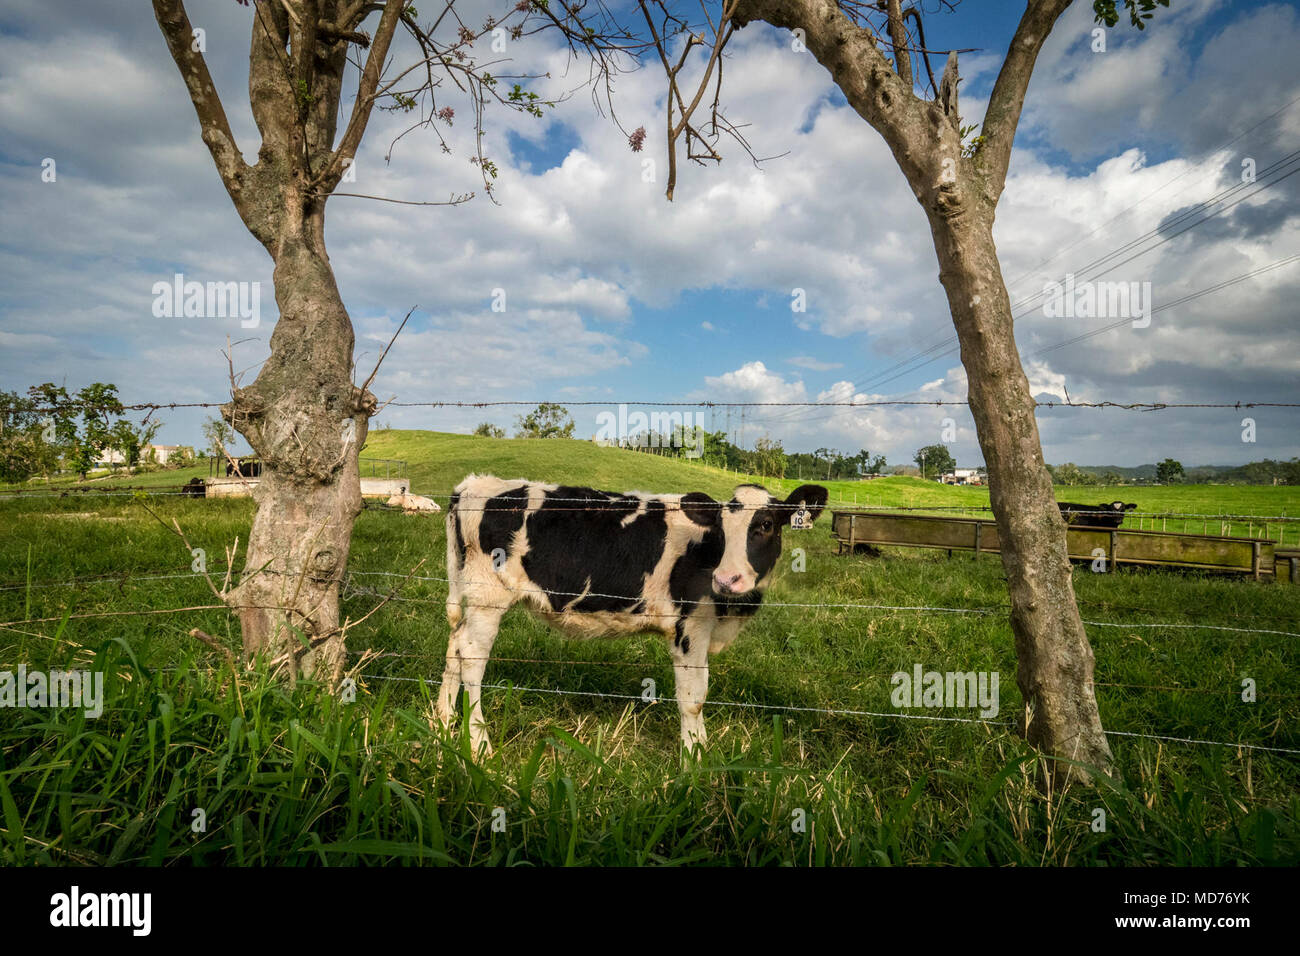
(304, 415)
(869, 50)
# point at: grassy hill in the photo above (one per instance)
(437, 461)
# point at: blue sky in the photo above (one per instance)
(615, 295)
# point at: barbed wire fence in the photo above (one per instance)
(352, 590)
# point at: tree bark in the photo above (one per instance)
(959, 192)
(1055, 660)
(307, 422)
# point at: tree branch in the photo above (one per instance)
(270, 82)
(215, 128)
(362, 107)
(859, 68)
(1008, 96)
(898, 37)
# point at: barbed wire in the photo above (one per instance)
(699, 403)
(989, 609)
(829, 711)
(741, 670)
(350, 589)
(9, 625)
(590, 504)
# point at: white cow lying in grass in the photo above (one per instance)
(413, 504)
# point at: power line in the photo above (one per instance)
(1278, 112)
(1114, 325)
(875, 380)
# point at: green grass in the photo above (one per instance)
(296, 777)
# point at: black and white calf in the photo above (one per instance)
(1104, 515)
(598, 563)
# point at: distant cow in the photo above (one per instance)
(413, 504)
(1094, 516)
(248, 468)
(596, 563)
(194, 488)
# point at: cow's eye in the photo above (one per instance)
(766, 526)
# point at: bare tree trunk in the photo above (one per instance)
(307, 422)
(1055, 671)
(959, 191)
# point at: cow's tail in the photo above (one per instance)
(455, 567)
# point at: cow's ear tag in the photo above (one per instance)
(799, 520)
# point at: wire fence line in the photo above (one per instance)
(590, 504)
(826, 711)
(989, 609)
(831, 712)
(743, 671)
(351, 589)
(11, 625)
(699, 403)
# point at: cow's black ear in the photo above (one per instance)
(811, 498)
(701, 509)
(1131, 506)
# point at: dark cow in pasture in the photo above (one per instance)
(598, 563)
(1104, 515)
(248, 468)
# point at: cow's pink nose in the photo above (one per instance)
(726, 583)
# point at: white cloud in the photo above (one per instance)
(812, 364)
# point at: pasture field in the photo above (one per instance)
(808, 760)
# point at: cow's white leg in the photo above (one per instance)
(691, 671)
(477, 636)
(449, 692)
(455, 572)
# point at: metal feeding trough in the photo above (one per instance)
(1205, 552)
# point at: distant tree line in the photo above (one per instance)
(1171, 471)
(767, 458)
(49, 430)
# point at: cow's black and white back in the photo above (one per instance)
(597, 563)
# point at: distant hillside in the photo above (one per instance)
(1254, 473)
(1129, 473)
(437, 461)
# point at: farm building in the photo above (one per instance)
(159, 454)
(963, 476)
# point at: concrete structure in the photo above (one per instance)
(962, 476)
(243, 487)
